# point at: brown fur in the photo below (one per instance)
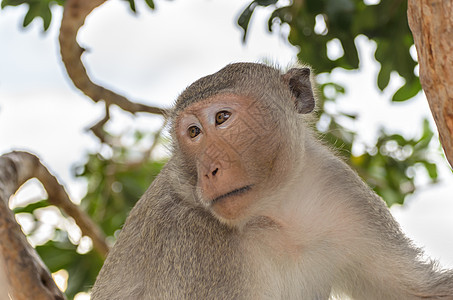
(308, 227)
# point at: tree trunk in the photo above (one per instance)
(26, 275)
(431, 23)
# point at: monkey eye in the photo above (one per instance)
(221, 117)
(193, 131)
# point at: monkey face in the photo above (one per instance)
(234, 148)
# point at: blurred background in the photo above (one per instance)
(371, 106)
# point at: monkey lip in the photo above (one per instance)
(235, 192)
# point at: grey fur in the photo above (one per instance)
(321, 232)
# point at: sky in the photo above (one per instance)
(151, 57)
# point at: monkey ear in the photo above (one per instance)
(298, 81)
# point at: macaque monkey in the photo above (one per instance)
(252, 206)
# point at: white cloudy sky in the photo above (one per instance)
(152, 57)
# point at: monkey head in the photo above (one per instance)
(234, 130)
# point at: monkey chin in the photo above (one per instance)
(230, 208)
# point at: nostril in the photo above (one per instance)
(215, 171)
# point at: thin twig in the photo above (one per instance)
(98, 128)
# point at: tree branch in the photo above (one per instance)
(431, 23)
(74, 14)
(98, 128)
(57, 196)
(23, 265)
(28, 277)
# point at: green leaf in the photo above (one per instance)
(265, 2)
(36, 8)
(391, 196)
(351, 55)
(30, 15)
(57, 253)
(282, 14)
(31, 207)
(426, 137)
(150, 4)
(46, 15)
(351, 116)
(6, 3)
(427, 132)
(244, 19)
(138, 135)
(60, 253)
(340, 11)
(407, 91)
(132, 5)
(384, 76)
(431, 168)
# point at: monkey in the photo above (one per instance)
(252, 205)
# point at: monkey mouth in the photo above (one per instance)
(235, 192)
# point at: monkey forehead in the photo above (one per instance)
(218, 101)
(237, 78)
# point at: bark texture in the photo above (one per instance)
(26, 274)
(431, 23)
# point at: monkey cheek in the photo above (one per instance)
(233, 207)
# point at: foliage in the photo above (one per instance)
(244, 18)
(388, 166)
(36, 8)
(315, 23)
(42, 9)
(60, 253)
(114, 185)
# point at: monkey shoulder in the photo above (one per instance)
(171, 249)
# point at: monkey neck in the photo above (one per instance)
(309, 194)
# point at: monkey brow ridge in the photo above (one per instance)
(237, 76)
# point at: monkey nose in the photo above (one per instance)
(212, 174)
